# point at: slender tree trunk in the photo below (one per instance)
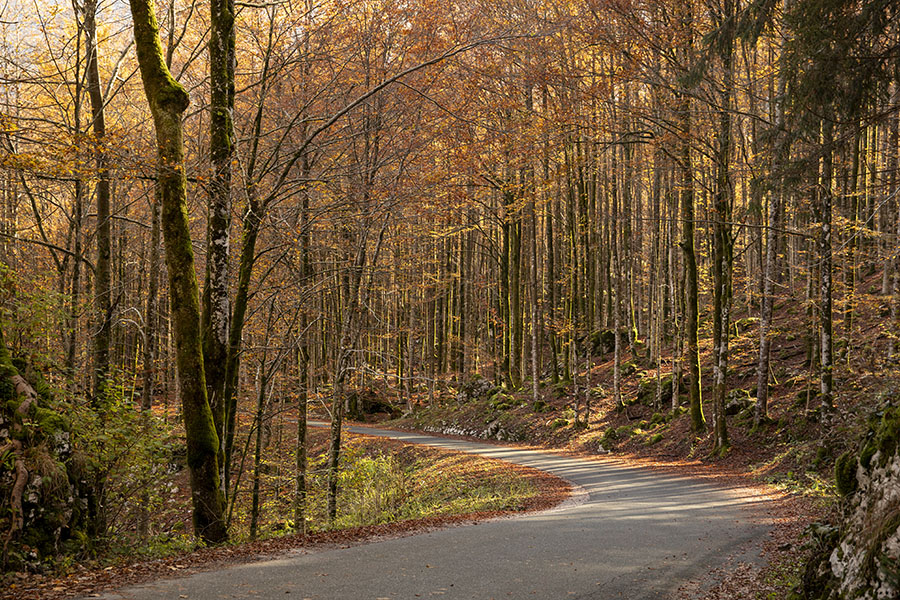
(550, 285)
(303, 356)
(723, 242)
(853, 242)
(150, 344)
(535, 374)
(301, 460)
(894, 177)
(617, 274)
(826, 364)
(75, 300)
(102, 283)
(252, 221)
(692, 303)
(781, 146)
(168, 101)
(353, 277)
(257, 448)
(216, 308)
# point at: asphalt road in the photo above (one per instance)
(627, 532)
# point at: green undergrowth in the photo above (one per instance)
(380, 482)
(386, 482)
(384, 486)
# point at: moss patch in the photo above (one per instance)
(845, 473)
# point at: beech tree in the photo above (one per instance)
(168, 100)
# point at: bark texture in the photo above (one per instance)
(168, 101)
(216, 307)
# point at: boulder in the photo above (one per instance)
(860, 558)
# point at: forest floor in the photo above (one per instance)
(390, 489)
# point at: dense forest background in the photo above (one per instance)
(353, 206)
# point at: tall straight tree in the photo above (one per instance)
(216, 308)
(780, 150)
(102, 286)
(723, 241)
(826, 364)
(692, 302)
(168, 100)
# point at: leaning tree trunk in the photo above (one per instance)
(168, 101)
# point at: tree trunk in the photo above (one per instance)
(102, 285)
(168, 101)
(894, 164)
(353, 276)
(150, 342)
(781, 146)
(723, 242)
(826, 364)
(692, 304)
(216, 308)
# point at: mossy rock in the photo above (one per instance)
(742, 326)
(502, 401)
(805, 398)
(845, 473)
(625, 431)
(737, 401)
(8, 394)
(640, 351)
(475, 388)
(603, 341)
(647, 390)
(558, 423)
(561, 389)
(628, 368)
(541, 407)
(883, 436)
(823, 455)
(659, 418)
(654, 439)
(48, 421)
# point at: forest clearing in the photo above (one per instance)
(660, 239)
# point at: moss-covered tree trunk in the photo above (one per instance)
(168, 101)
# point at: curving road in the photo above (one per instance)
(626, 533)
